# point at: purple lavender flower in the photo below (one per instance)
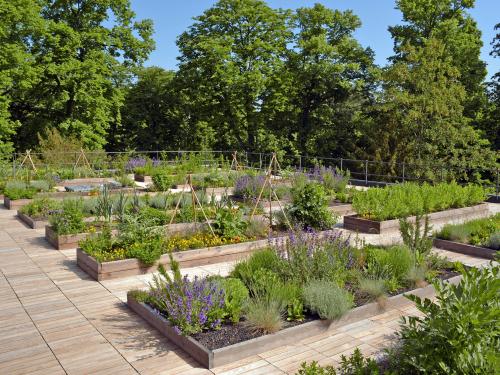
(134, 163)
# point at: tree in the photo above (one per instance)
(229, 57)
(421, 117)
(81, 56)
(21, 21)
(491, 122)
(448, 22)
(153, 119)
(331, 76)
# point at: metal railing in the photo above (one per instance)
(366, 172)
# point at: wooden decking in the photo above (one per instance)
(55, 320)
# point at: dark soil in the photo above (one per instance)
(230, 334)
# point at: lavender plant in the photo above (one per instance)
(309, 255)
(249, 187)
(190, 306)
(332, 179)
(134, 163)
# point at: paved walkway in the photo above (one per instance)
(55, 320)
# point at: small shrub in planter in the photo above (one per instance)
(19, 190)
(309, 207)
(326, 299)
(69, 220)
(162, 180)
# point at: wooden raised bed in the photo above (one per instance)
(143, 178)
(65, 241)
(219, 357)
(358, 224)
(463, 248)
(32, 223)
(86, 181)
(189, 258)
(15, 204)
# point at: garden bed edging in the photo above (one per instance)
(463, 248)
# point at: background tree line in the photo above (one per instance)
(253, 78)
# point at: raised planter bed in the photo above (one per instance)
(65, 241)
(358, 224)
(143, 178)
(31, 222)
(463, 248)
(15, 204)
(189, 258)
(219, 357)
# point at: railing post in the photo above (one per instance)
(341, 164)
(300, 163)
(403, 171)
(498, 188)
(366, 172)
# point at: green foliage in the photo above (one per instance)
(309, 206)
(70, 219)
(375, 288)
(459, 333)
(72, 83)
(295, 310)
(416, 238)
(475, 232)
(235, 298)
(162, 180)
(326, 299)
(19, 190)
(229, 223)
(391, 264)
(40, 208)
(403, 200)
(245, 269)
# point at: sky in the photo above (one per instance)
(172, 17)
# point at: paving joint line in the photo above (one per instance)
(52, 281)
(33, 322)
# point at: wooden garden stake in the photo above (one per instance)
(195, 201)
(234, 162)
(83, 158)
(268, 180)
(26, 158)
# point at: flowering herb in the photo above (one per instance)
(191, 306)
(134, 163)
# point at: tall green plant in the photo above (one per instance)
(459, 332)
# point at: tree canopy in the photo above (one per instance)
(251, 77)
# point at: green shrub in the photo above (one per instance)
(125, 180)
(40, 208)
(245, 269)
(235, 298)
(162, 180)
(457, 334)
(408, 199)
(392, 263)
(416, 237)
(70, 219)
(229, 223)
(326, 299)
(309, 206)
(256, 228)
(494, 241)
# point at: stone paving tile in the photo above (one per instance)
(54, 319)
